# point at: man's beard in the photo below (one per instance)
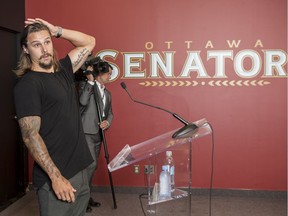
(46, 65)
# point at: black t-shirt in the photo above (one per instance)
(52, 96)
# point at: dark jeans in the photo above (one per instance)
(51, 206)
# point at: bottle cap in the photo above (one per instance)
(165, 168)
(168, 153)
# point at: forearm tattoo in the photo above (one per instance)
(81, 55)
(30, 127)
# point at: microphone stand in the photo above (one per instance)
(102, 133)
(187, 130)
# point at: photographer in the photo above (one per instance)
(92, 91)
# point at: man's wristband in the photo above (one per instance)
(59, 32)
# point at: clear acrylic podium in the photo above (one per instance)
(154, 152)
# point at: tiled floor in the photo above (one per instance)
(135, 205)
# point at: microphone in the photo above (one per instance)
(183, 132)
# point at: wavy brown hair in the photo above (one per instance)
(25, 63)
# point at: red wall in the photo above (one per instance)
(247, 110)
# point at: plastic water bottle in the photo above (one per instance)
(171, 169)
(165, 183)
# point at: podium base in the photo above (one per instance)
(177, 194)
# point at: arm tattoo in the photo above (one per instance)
(30, 127)
(81, 55)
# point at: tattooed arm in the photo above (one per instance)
(30, 133)
(83, 43)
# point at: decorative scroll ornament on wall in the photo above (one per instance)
(209, 83)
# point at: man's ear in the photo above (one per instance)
(25, 50)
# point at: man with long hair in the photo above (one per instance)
(47, 110)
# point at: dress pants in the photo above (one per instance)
(50, 205)
(94, 144)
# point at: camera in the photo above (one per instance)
(90, 61)
(99, 66)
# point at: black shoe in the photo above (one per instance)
(93, 203)
(88, 209)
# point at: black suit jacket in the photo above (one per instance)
(88, 108)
